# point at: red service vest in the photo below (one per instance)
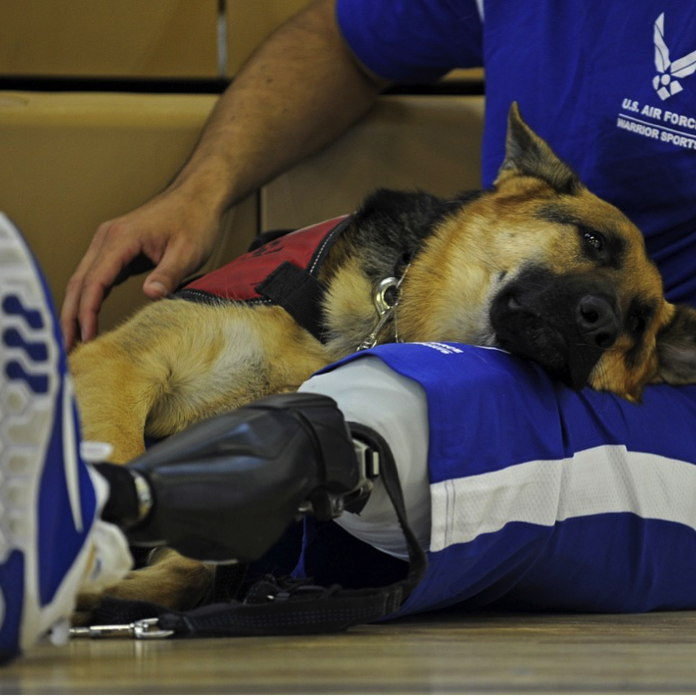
(284, 272)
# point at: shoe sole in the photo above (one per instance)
(29, 381)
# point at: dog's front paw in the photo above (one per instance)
(172, 581)
(87, 604)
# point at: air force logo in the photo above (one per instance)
(665, 83)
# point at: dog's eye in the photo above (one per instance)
(593, 239)
(638, 324)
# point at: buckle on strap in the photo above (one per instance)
(368, 457)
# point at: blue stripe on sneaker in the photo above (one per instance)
(13, 305)
(35, 351)
(11, 573)
(37, 383)
(56, 502)
(38, 352)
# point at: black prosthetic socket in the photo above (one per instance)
(228, 487)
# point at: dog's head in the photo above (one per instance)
(563, 277)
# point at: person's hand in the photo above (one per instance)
(170, 235)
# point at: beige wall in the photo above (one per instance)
(132, 38)
(432, 143)
(248, 23)
(72, 161)
(141, 38)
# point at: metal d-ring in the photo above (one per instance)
(384, 309)
(381, 300)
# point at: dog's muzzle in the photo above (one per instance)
(564, 323)
(597, 321)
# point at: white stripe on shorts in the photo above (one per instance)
(605, 479)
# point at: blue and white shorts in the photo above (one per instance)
(525, 493)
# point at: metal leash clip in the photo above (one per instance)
(144, 629)
(384, 306)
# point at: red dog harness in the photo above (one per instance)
(283, 272)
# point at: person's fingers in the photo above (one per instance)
(91, 299)
(180, 259)
(73, 291)
(174, 238)
(95, 287)
(68, 318)
(106, 257)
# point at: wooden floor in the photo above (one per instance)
(498, 653)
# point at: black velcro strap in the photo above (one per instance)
(299, 293)
(306, 610)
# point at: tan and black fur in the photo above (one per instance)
(537, 265)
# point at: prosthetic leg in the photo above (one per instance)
(227, 488)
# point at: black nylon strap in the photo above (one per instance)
(301, 613)
(299, 293)
(389, 474)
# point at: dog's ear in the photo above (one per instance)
(528, 155)
(676, 348)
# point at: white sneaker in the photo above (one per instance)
(48, 500)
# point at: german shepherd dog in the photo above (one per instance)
(536, 265)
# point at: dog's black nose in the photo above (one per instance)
(597, 321)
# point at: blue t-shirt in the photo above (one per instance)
(610, 85)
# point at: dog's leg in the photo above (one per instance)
(170, 581)
(227, 357)
(114, 397)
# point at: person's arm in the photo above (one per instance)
(300, 90)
